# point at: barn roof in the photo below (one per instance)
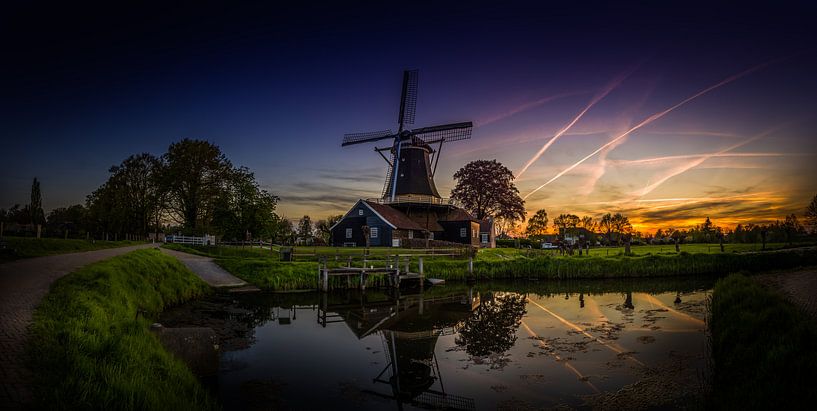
(393, 216)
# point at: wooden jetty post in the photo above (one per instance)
(324, 278)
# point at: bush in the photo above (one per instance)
(763, 348)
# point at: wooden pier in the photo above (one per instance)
(392, 273)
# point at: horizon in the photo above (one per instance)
(668, 116)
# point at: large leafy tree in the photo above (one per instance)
(486, 189)
(538, 224)
(194, 175)
(811, 215)
(243, 208)
(129, 202)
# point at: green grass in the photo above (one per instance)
(26, 247)
(91, 350)
(763, 349)
(546, 267)
(271, 274)
(689, 248)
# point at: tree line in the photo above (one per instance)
(614, 228)
(191, 189)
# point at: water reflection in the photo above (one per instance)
(489, 345)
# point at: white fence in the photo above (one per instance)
(183, 239)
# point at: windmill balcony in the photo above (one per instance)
(415, 199)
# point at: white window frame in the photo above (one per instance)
(348, 233)
(463, 232)
(410, 234)
(374, 232)
(359, 211)
(484, 238)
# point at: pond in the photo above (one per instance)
(600, 344)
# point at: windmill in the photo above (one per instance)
(411, 160)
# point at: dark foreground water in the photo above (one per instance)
(600, 344)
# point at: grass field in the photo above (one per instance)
(93, 350)
(27, 247)
(266, 271)
(764, 349)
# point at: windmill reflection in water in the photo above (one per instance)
(409, 326)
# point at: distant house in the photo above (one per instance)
(407, 222)
(574, 234)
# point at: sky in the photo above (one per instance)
(667, 112)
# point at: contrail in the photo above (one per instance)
(652, 118)
(524, 107)
(696, 162)
(604, 92)
(653, 160)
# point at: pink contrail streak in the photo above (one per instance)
(525, 107)
(698, 161)
(604, 92)
(652, 118)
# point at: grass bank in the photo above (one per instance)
(90, 342)
(25, 247)
(763, 348)
(271, 274)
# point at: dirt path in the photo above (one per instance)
(799, 285)
(23, 284)
(205, 268)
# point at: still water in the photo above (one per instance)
(531, 345)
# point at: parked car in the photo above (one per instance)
(549, 246)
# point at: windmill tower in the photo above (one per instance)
(412, 159)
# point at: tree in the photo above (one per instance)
(324, 227)
(606, 224)
(588, 223)
(811, 215)
(792, 227)
(565, 221)
(35, 207)
(486, 189)
(305, 232)
(194, 175)
(621, 224)
(67, 220)
(244, 208)
(537, 225)
(129, 202)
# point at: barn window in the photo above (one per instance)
(348, 233)
(484, 237)
(360, 212)
(374, 232)
(463, 232)
(411, 234)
